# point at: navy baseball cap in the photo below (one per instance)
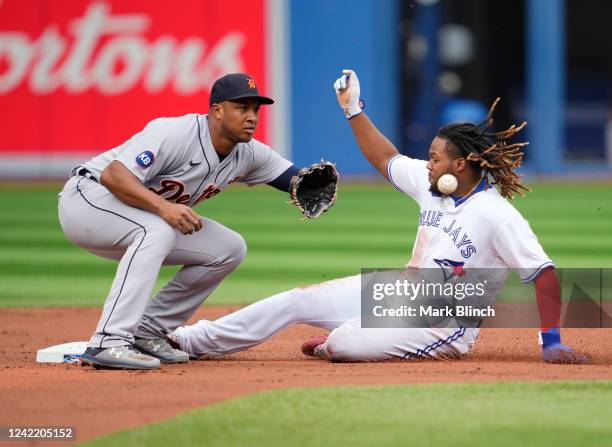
(236, 86)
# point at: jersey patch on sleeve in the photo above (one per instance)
(145, 159)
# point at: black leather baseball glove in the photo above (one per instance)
(314, 189)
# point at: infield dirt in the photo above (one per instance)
(101, 401)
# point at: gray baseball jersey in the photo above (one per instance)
(175, 158)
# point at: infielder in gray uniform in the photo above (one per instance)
(134, 204)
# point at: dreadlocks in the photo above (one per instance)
(489, 152)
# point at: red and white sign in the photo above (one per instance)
(79, 75)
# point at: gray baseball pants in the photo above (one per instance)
(93, 218)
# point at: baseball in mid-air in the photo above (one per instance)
(447, 184)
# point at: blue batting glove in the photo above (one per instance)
(553, 351)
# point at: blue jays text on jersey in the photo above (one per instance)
(460, 238)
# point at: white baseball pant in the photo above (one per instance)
(333, 305)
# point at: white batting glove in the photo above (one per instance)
(347, 92)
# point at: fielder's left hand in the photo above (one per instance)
(553, 351)
(348, 91)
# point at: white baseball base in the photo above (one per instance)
(64, 353)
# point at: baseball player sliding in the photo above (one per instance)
(134, 204)
(473, 226)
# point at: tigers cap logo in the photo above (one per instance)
(251, 83)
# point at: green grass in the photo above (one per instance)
(372, 225)
(504, 414)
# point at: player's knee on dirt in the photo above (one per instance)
(338, 350)
(346, 345)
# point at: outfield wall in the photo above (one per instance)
(327, 37)
(79, 77)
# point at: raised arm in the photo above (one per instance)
(374, 145)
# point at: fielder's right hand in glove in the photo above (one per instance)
(313, 190)
(348, 91)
